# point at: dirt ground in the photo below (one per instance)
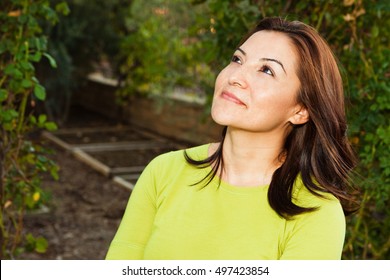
(83, 215)
(85, 209)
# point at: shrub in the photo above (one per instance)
(22, 161)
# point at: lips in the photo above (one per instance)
(231, 97)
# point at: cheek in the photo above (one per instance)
(282, 104)
(280, 101)
(218, 81)
(222, 78)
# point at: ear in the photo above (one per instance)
(301, 115)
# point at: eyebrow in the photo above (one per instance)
(266, 59)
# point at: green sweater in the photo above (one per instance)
(167, 217)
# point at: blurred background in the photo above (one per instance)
(91, 91)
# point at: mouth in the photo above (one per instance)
(231, 97)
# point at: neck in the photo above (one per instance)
(250, 158)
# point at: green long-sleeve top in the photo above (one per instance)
(168, 217)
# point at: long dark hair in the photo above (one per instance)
(319, 150)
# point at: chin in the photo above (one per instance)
(220, 118)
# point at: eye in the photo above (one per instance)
(236, 59)
(267, 70)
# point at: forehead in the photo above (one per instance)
(271, 44)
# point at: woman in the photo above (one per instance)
(276, 186)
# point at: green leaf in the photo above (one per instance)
(12, 71)
(42, 119)
(26, 66)
(26, 83)
(37, 43)
(30, 158)
(63, 8)
(41, 245)
(54, 172)
(33, 119)
(52, 61)
(42, 159)
(375, 31)
(36, 57)
(8, 115)
(30, 238)
(51, 126)
(40, 92)
(3, 95)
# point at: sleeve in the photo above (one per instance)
(136, 226)
(317, 235)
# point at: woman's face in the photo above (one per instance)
(257, 90)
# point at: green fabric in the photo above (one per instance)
(169, 218)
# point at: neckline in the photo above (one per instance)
(227, 186)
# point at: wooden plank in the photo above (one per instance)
(65, 131)
(130, 177)
(94, 163)
(121, 146)
(50, 136)
(98, 77)
(123, 183)
(127, 169)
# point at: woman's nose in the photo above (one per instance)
(238, 78)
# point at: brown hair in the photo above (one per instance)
(319, 150)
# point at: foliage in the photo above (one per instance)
(365, 58)
(83, 41)
(160, 51)
(188, 46)
(22, 162)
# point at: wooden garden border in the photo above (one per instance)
(120, 175)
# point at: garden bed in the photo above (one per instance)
(86, 205)
(83, 215)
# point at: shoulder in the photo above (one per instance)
(175, 161)
(169, 170)
(318, 234)
(303, 197)
(328, 207)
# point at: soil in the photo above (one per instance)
(128, 158)
(83, 214)
(86, 207)
(98, 137)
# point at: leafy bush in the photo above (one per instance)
(161, 51)
(22, 162)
